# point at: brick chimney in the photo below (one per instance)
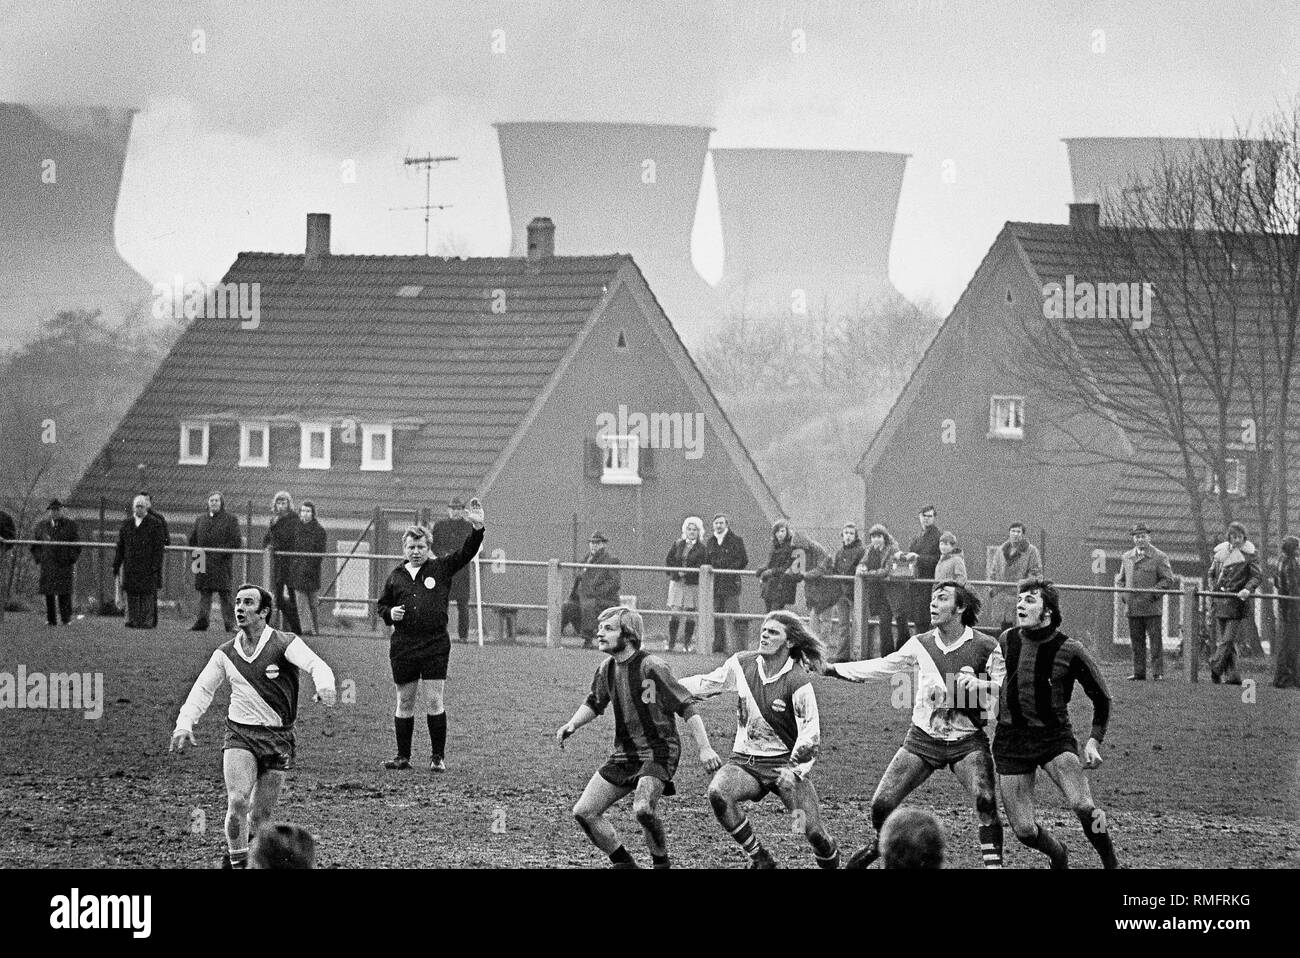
(541, 238)
(1085, 216)
(318, 239)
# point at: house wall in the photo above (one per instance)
(545, 485)
(978, 484)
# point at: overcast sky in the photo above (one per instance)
(234, 145)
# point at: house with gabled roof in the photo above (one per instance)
(989, 446)
(554, 388)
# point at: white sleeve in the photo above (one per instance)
(722, 679)
(997, 671)
(904, 660)
(810, 728)
(300, 655)
(200, 697)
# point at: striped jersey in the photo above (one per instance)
(647, 699)
(263, 686)
(939, 708)
(1042, 667)
(776, 715)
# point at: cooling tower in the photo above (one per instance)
(1104, 169)
(615, 188)
(815, 222)
(60, 170)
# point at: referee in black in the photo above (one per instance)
(414, 603)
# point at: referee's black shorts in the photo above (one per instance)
(426, 661)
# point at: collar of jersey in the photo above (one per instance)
(762, 672)
(966, 634)
(261, 644)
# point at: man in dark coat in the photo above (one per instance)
(141, 546)
(924, 551)
(56, 562)
(283, 537)
(7, 531)
(597, 586)
(1287, 655)
(218, 529)
(726, 550)
(447, 536)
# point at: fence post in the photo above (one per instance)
(861, 638)
(248, 539)
(377, 537)
(704, 617)
(99, 556)
(1191, 632)
(554, 604)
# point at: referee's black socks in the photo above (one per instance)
(404, 728)
(437, 734)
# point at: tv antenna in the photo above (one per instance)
(428, 162)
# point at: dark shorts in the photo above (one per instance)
(1019, 751)
(429, 663)
(762, 768)
(626, 774)
(272, 747)
(939, 754)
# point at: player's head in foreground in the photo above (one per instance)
(1038, 604)
(950, 601)
(912, 839)
(281, 845)
(415, 544)
(252, 608)
(784, 630)
(617, 628)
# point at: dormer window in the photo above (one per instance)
(622, 465)
(314, 446)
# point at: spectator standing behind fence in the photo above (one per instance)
(1016, 559)
(952, 564)
(1145, 567)
(778, 583)
(1287, 655)
(597, 586)
(282, 536)
(7, 531)
(1235, 568)
(218, 529)
(724, 549)
(306, 569)
(886, 600)
(845, 562)
(141, 547)
(56, 562)
(148, 505)
(684, 587)
(924, 551)
(446, 537)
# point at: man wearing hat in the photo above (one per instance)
(597, 586)
(447, 536)
(56, 562)
(1145, 567)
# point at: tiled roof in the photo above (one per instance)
(345, 340)
(1053, 251)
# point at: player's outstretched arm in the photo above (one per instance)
(580, 718)
(302, 656)
(722, 679)
(197, 702)
(885, 667)
(708, 757)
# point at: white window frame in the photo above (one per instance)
(245, 458)
(368, 462)
(1010, 431)
(188, 457)
(306, 431)
(1233, 475)
(622, 461)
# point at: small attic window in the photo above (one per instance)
(410, 292)
(620, 341)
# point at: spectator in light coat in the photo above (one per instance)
(1235, 568)
(1145, 567)
(1017, 559)
(952, 567)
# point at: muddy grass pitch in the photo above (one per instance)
(1194, 775)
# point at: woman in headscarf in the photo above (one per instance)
(684, 587)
